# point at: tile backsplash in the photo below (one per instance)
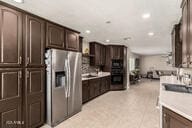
(86, 68)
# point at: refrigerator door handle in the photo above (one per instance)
(69, 78)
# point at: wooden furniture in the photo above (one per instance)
(186, 33)
(55, 36)
(11, 96)
(98, 50)
(95, 87)
(174, 120)
(72, 40)
(116, 52)
(81, 44)
(34, 41)
(176, 46)
(22, 69)
(10, 37)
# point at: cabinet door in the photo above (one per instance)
(85, 91)
(102, 55)
(35, 40)
(114, 52)
(97, 54)
(81, 44)
(121, 52)
(10, 98)
(72, 41)
(10, 37)
(185, 54)
(108, 83)
(190, 32)
(94, 87)
(103, 85)
(55, 36)
(97, 87)
(173, 120)
(34, 93)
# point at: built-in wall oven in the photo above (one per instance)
(117, 79)
(117, 72)
(117, 63)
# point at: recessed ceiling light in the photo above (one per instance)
(107, 41)
(88, 31)
(151, 34)
(146, 15)
(127, 38)
(108, 22)
(19, 1)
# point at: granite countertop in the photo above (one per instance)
(180, 103)
(99, 75)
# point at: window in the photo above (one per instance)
(132, 64)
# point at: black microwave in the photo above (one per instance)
(117, 63)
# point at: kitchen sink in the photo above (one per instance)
(89, 76)
(178, 88)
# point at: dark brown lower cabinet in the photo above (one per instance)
(174, 120)
(34, 93)
(10, 98)
(105, 84)
(85, 91)
(94, 87)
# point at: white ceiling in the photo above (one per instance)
(125, 16)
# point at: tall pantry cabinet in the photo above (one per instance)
(22, 69)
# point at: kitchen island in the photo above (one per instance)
(178, 105)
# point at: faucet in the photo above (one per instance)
(187, 79)
(179, 77)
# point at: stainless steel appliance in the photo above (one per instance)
(117, 63)
(64, 85)
(117, 72)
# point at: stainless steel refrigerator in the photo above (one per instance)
(64, 85)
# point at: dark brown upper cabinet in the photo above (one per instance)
(185, 42)
(10, 97)
(99, 54)
(34, 31)
(186, 33)
(176, 46)
(35, 94)
(10, 37)
(72, 40)
(117, 52)
(80, 44)
(55, 36)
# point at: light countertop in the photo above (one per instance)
(180, 103)
(101, 74)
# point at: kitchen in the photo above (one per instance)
(95, 64)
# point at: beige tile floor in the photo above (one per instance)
(133, 108)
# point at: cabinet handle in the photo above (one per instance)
(20, 60)
(27, 74)
(28, 60)
(20, 74)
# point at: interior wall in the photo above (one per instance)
(155, 62)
